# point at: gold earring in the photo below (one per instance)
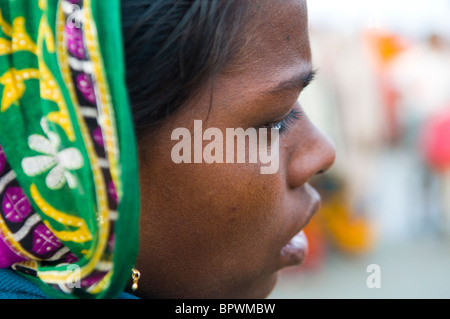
(135, 275)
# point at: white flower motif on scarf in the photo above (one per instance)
(60, 163)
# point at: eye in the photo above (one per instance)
(285, 124)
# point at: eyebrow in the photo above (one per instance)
(300, 81)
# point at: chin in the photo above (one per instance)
(260, 290)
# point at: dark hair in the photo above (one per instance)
(172, 47)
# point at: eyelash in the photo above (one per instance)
(285, 124)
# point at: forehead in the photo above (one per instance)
(276, 42)
(279, 24)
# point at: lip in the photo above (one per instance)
(294, 252)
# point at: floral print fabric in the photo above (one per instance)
(68, 187)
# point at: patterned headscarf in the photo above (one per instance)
(68, 167)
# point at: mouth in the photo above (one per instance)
(296, 250)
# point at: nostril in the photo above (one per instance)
(320, 172)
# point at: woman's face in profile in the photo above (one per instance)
(224, 230)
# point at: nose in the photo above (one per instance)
(313, 155)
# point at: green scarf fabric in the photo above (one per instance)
(68, 160)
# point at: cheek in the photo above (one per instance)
(225, 203)
(210, 223)
(219, 210)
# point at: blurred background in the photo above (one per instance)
(383, 97)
